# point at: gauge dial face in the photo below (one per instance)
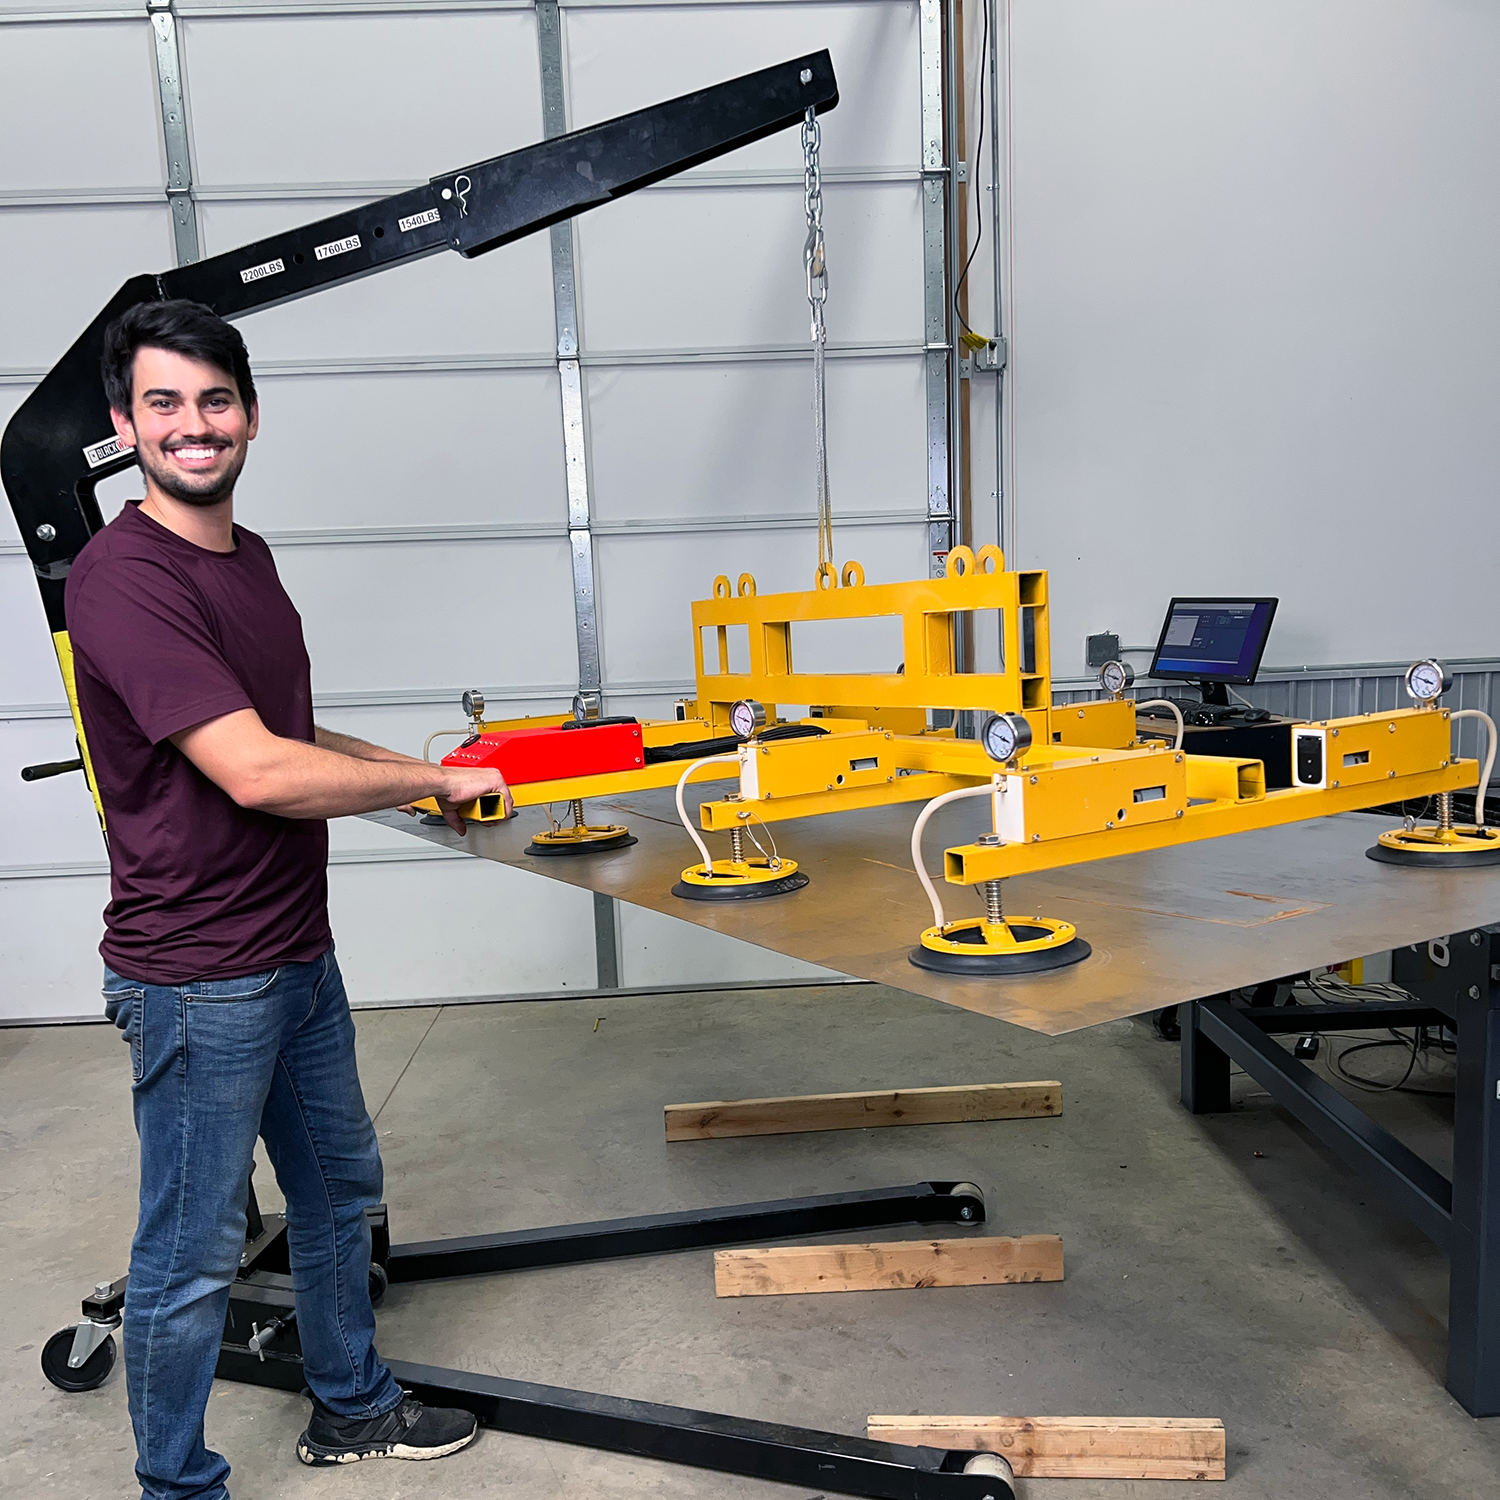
(1425, 681)
(1115, 677)
(473, 703)
(1005, 736)
(746, 717)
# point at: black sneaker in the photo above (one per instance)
(410, 1430)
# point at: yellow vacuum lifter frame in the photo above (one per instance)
(1086, 789)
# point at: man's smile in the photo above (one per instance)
(197, 455)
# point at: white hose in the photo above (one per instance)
(916, 842)
(1165, 703)
(708, 760)
(1489, 759)
(437, 734)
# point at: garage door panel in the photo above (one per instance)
(433, 614)
(80, 256)
(28, 665)
(430, 449)
(468, 927)
(655, 644)
(722, 267)
(57, 147)
(876, 57)
(695, 441)
(368, 99)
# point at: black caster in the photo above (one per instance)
(1166, 1025)
(89, 1376)
(379, 1281)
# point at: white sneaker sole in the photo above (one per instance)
(396, 1450)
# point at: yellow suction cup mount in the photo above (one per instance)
(582, 838)
(1438, 846)
(738, 878)
(997, 944)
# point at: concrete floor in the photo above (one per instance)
(1223, 1267)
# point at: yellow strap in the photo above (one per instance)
(64, 648)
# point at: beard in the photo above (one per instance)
(192, 489)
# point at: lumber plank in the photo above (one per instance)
(1075, 1447)
(902, 1265)
(950, 1104)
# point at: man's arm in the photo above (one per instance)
(346, 744)
(266, 773)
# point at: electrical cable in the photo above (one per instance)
(916, 842)
(984, 52)
(438, 734)
(1489, 759)
(708, 760)
(1176, 714)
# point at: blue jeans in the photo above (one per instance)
(215, 1063)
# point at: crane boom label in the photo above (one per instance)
(417, 221)
(336, 247)
(260, 272)
(101, 453)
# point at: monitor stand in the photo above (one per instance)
(1214, 693)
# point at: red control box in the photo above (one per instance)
(522, 755)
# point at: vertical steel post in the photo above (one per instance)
(570, 379)
(575, 445)
(1474, 1245)
(935, 336)
(174, 131)
(1205, 1067)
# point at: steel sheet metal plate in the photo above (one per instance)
(1175, 925)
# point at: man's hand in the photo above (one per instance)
(464, 785)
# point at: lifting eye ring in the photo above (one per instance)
(960, 562)
(747, 585)
(721, 586)
(990, 559)
(854, 575)
(827, 577)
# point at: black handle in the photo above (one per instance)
(50, 768)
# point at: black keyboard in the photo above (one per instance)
(1202, 715)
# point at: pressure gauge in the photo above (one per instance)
(747, 717)
(1426, 681)
(1115, 677)
(473, 704)
(1005, 736)
(586, 707)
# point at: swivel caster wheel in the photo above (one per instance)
(969, 1213)
(89, 1376)
(379, 1281)
(992, 1466)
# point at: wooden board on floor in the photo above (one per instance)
(951, 1104)
(1075, 1447)
(901, 1265)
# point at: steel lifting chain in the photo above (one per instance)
(814, 260)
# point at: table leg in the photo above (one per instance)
(1474, 1250)
(1205, 1067)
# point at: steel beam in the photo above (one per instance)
(940, 537)
(1419, 1192)
(606, 942)
(704, 1440)
(174, 131)
(570, 377)
(609, 1239)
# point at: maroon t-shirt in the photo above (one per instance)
(167, 635)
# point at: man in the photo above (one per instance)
(194, 688)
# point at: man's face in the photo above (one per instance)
(188, 426)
